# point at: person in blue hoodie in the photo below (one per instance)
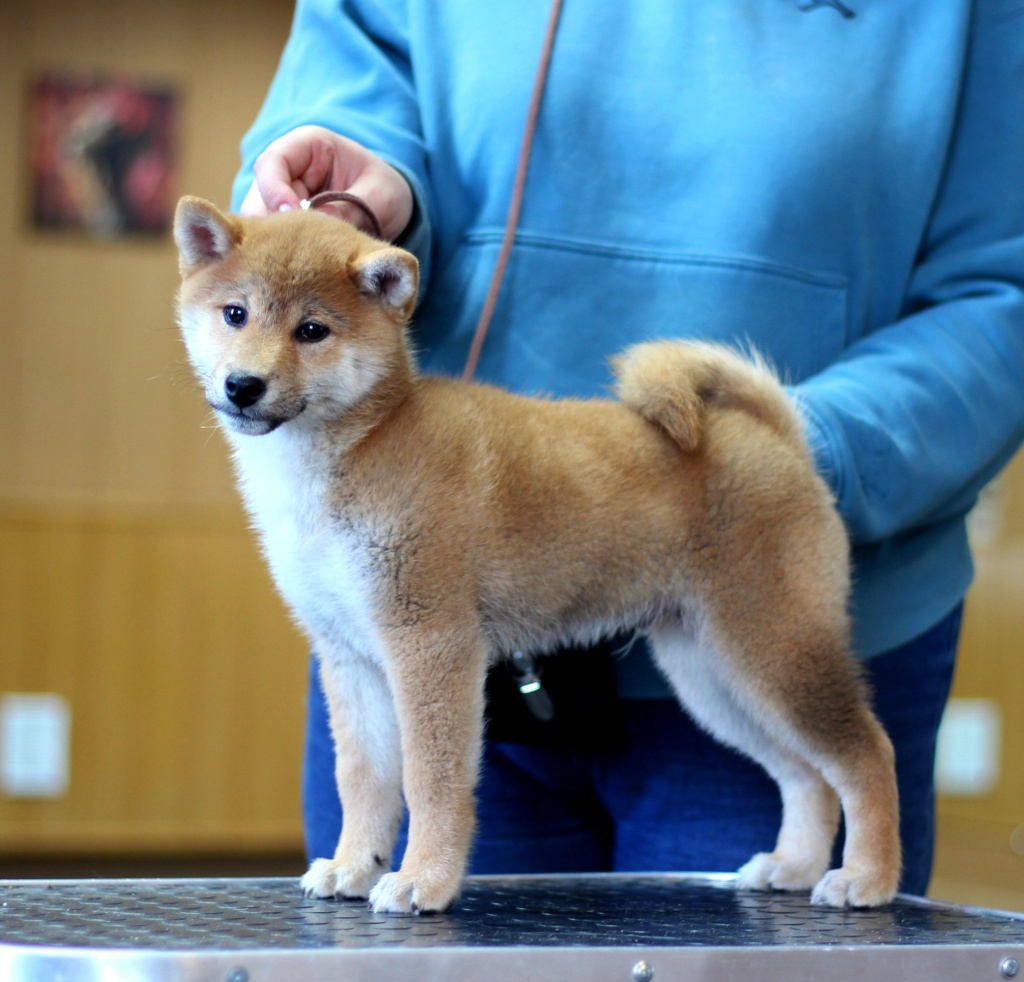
(838, 185)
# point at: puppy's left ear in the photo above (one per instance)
(391, 275)
(203, 233)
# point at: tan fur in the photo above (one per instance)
(423, 527)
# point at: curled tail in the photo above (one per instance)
(673, 383)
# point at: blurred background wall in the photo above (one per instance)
(132, 597)
(980, 768)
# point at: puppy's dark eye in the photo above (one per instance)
(311, 332)
(235, 316)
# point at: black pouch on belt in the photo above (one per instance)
(565, 701)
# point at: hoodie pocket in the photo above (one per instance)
(566, 305)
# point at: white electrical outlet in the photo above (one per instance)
(967, 757)
(35, 737)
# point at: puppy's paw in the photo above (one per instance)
(332, 878)
(775, 871)
(399, 893)
(846, 887)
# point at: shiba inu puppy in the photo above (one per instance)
(421, 528)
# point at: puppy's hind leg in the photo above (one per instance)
(802, 685)
(368, 772)
(810, 809)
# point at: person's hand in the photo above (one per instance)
(312, 159)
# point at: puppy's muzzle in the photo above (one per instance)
(244, 390)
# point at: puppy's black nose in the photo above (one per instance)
(244, 390)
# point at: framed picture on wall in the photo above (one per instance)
(102, 154)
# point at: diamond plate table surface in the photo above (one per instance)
(629, 928)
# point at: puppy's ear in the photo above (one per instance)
(392, 276)
(203, 234)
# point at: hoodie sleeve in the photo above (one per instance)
(346, 67)
(914, 419)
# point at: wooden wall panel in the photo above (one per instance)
(980, 859)
(184, 676)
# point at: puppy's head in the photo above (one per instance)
(296, 315)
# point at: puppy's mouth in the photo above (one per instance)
(253, 421)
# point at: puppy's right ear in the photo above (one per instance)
(203, 234)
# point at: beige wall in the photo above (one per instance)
(980, 855)
(128, 581)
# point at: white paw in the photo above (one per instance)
(399, 893)
(848, 888)
(770, 871)
(330, 878)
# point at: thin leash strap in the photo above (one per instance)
(517, 193)
(329, 197)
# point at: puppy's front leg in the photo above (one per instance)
(368, 772)
(438, 682)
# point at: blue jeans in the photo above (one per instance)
(672, 798)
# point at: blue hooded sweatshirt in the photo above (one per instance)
(839, 185)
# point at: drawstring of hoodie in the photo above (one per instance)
(512, 221)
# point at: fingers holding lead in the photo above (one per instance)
(312, 159)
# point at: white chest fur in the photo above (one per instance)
(317, 561)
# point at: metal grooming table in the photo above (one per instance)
(602, 928)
